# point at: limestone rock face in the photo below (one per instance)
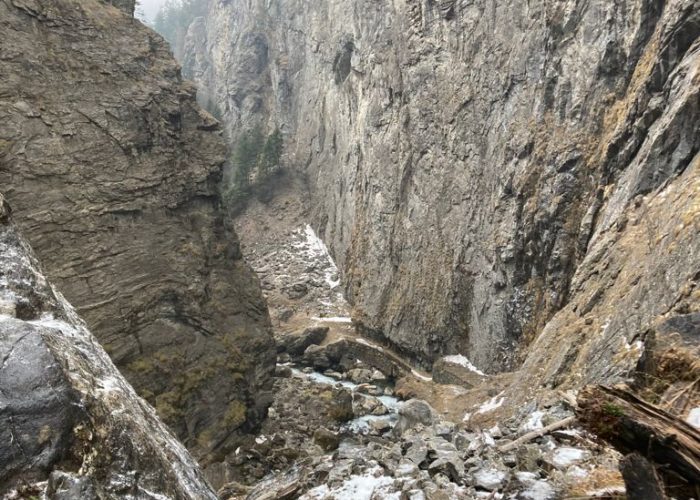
(486, 174)
(112, 171)
(64, 406)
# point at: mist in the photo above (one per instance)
(149, 8)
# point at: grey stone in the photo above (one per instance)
(65, 407)
(296, 343)
(317, 356)
(360, 375)
(283, 371)
(326, 439)
(490, 479)
(412, 413)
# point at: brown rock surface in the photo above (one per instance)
(66, 413)
(112, 172)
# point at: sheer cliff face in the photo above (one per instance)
(66, 413)
(112, 171)
(478, 166)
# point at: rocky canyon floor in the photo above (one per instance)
(352, 420)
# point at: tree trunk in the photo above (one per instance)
(641, 480)
(631, 424)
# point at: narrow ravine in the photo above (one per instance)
(353, 420)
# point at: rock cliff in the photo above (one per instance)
(513, 181)
(71, 426)
(112, 171)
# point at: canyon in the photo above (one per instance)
(482, 174)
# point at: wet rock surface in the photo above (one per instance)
(71, 426)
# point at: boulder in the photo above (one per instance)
(413, 413)
(340, 408)
(296, 343)
(283, 371)
(453, 469)
(360, 375)
(316, 356)
(366, 405)
(326, 439)
(69, 420)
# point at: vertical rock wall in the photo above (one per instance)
(112, 171)
(472, 162)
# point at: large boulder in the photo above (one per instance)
(413, 413)
(71, 426)
(296, 343)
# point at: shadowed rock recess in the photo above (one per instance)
(112, 171)
(515, 181)
(66, 413)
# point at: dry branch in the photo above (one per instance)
(535, 434)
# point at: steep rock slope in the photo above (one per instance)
(112, 171)
(477, 166)
(66, 413)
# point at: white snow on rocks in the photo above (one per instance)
(333, 319)
(489, 479)
(565, 456)
(536, 489)
(492, 404)
(317, 248)
(534, 422)
(539, 490)
(694, 417)
(420, 376)
(369, 485)
(461, 360)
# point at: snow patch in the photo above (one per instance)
(491, 479)
(357, 487)
(539, 490)
(317, 248)
(607, 492)
(491, 404)
(369, 344)
(536, 489)
(534, 422)
(461, 360)
(563, 457)
(334, 319)
(421, 376)
(694, 417)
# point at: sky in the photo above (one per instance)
(150, 7)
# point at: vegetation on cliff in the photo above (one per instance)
(255, 160)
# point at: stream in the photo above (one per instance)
(359, 425)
